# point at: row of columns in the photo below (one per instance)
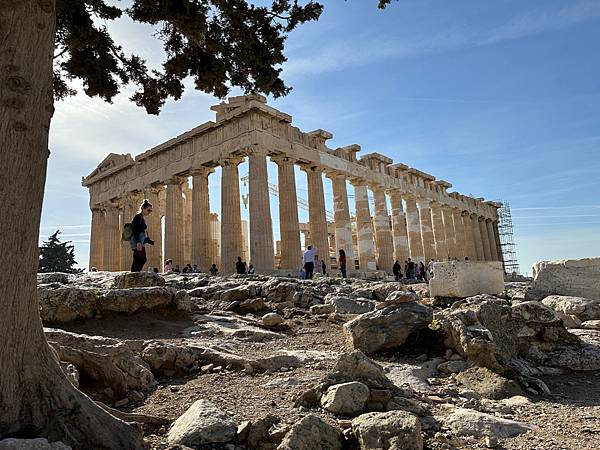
(417, 228)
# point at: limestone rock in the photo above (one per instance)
(203, 423)
(576, 277)
(347, 399)
(312, 433)
(355, 366)
(53, 277)
(462, 279)
(474, 423)
(31, 444)
(388, 430)
(251, 305)
(322, 309)
(66, 304)
(488, 384)
(138, 279)
(346, 305)
(583, 308)
(162, 356)
(272, 320)
(387, 328)
(591, 325)
(398, 297)
(135, 299)
(183, 301)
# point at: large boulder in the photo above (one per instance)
(65, 304)
(576, 277)
(138, 279)
(348, 305)
(488, 384)
(53, 277)
(31, 444)
(312, 433)
(162, 356)
(474, 423)
(135, 299)
(347, 399)
(387, 328)
(462, 279)
(203, 423)
(582, 308)
(388, 430)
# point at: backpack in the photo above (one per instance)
(127, 233)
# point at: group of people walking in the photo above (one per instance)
(136, 233)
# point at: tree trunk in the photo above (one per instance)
(36, 399)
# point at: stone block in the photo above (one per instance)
(574, 277)
(466, 278)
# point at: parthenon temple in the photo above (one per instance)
(413, 216)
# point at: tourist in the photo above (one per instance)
(323, 267)
(240, 267)
(308, 261)
(342, 262)
(93, 269)
(185, 269)
(188, 268)
(422, 271)
(396, 269)
(430, 267)
(213, 270)
(406, 268)
(139, 238)
(466, 258)
(155, 269)
(168, 266)
(251, 270)
(195, 269)
(411, 269)
(176, 269)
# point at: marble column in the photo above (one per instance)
(470, 249)
(399, 233)
(439, 233)
(154, 231)
(487, 251)
(173, 222)
(413, 226)
(289, 226)
(476, 233)
(364, 230)
(449, 231)
(231, 221)
(97, 238)
(498, 241)
(426, 230)
(459, 234)
(201, 234)
(383, 232)
(131, 206)
(186, 219)
(262, 252)
(316, 212)
(112, 238)
(491, 239)
(341, 211)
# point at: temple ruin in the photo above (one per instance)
(425, 221)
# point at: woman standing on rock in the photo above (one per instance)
(139, 238)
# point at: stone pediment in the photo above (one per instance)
(109, 164)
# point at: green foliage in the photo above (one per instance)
(435, 325)
(56, 256)
(218, 43)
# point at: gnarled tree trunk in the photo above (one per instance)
(36, 399)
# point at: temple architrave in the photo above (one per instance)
(424, 220)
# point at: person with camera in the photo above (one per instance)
(139, 237)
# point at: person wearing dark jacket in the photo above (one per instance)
(240, 266)
(139, 237)
(342, 263)
(396, 269)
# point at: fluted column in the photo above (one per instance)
(201, 234)
(491, 239)
(97, 238)
(449, 231)
(383, 232)
(426, 229)
(413, 226)
(289, 226)
(459, 234)
(399, 233)
(186, 220)
(154, 252)
(470, 249)
(173, 222)
(487, 251)
(316, 212)
(477, 237)
(231, 221)
(341, 211)
(364, 230)
(131, 206)
(262, 253)
(112, 238)
(439, 233)
(498, 241)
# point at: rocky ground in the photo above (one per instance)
(277, 363)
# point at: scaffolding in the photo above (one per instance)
(507, 243)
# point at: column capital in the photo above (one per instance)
(333, 174)
(283, 160)
(409, 196)
(473, 215)
(481, 218)
(376, 187)
(175, 180)
(423, 202)
(97, 208)
(310, 167)
(154, 189)
(231, 160)
(202, 170)
(355, 181)
(465, 213)
(256, 150)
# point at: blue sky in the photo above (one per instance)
(500, 98)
